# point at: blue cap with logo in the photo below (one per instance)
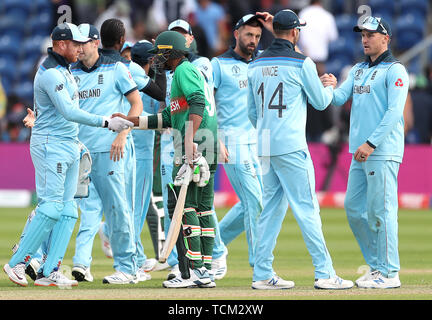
(373, 24)
(287, 19)
(89, 30)
(140, 52)
(68, 31)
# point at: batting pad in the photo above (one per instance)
(38, 230)
(59, 241)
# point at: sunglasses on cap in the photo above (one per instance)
(373, 24)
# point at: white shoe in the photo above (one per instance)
(275, 283)
(212, 283)
(200, 276)
(161, 266)
(367, 276)
(16, 274)
(142, 275)
(55, 279)
(106, 246)
(335, 283)
(32, 269)
(219, 266)
(149, 265)
(378, 281)
(120, 278)
(179, 282)
(82, 273)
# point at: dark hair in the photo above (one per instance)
(111, 32)
(253, 23)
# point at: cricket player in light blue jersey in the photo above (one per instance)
(122, 150)
(103, 85)
(378, 88)
(238, 134)
(144, 144)
(280, 81)
(55, 154)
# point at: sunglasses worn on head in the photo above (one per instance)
(372, 24)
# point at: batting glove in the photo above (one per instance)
(117, 124)
(184, 175)
(201, 171)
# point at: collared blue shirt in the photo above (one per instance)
(141, 79)
(280, 83)
(379, 91)
(231, 90)
(102, 90)
(56, 102)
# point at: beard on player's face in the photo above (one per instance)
(247, 48)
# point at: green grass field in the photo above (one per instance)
(292, 262)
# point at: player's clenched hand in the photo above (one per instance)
(118, 146)
(363, 152)
(328, 80)
(30, 119)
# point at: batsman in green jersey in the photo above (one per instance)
(192, 116)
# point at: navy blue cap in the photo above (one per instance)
(140, 52)
(287, 19)
(245, 19)
(89, 30)
(68, 31)
(374, 24)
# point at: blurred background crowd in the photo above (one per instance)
(328, 39)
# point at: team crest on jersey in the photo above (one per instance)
(100, 78)
(358, 74)
(77, 80)
(235, 70)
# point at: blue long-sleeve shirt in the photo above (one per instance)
(56, 102)
(280, 82)
(379, 91)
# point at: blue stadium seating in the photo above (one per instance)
(23, 28)
(9, 45)
(385, 7)
(342, 49)
(7, 67)
(345, 24)
(414, 7)
(410, 31)
(40, 24)
(24, 90)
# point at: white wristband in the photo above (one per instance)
(159, 121)
(143, 123)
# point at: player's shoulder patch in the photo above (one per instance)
(48, 63)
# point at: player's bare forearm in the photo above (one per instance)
(191, 129)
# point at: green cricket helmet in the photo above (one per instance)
(169, 45)
(193, 47)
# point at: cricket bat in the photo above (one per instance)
(175, 225)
